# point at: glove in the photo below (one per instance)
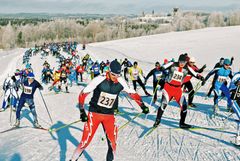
(238, 83)
(14, 78)
(145, 109)
(203, 82)
(204, 66)
(202, 79)
(41, 88)
(232, 58)
(145, 81)
(116, 111)
(83, 115)
(202, 69)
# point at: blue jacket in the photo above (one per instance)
(29, 89)
(234, 81)
(221, 75)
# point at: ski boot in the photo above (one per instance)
(192, 105)
(2, 110)
(215, 109)
(17, 123)
(66, 89)
(36, 124)
(184, 126)
(157, 122)
(147, 94)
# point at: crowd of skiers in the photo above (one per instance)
(109, 78)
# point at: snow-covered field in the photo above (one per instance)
(165, 143)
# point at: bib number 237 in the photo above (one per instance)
(106, 99)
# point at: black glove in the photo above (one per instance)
(14, 78)
(201, 70)
(83, 115)
(116, 111)
(232, 58)
(237, 83)
(203, 81)
(145, 109)
(145, 81)
(40, 88)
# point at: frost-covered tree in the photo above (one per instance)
(216, 19)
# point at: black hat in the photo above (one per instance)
(115, 67)
(135, 63)
(182, 58)
(157, 63)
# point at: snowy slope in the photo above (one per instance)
(206, 45)
(165, 143)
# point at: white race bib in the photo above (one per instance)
(222, 79)
(135, 74)
(158, 76)
(106, 100)
(177, 76)
(27, 90)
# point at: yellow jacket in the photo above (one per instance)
(135, 72)
(56, 75)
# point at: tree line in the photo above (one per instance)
(28, 32)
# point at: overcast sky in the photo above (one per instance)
(113, 6)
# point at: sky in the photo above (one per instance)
(113, 6)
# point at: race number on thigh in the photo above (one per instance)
(106, 100)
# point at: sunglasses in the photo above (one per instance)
(227, 65)
(182, 62)
(115, 75)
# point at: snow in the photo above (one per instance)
(165, 143)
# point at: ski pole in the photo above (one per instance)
(128, 101)
(11, 108)
(59, 128)
(155, 90)
(46, 107)
(196, 87)
(124, 125)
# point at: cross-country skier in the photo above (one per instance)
(187, 80)
(63, 78)
(135, 72)
(172, 88)
(80, 69)
(10, 87)
(29, 87)
(235, 96)
(218, 65)
(47, 74)
(102, 66)
(106, 90)
(95, 70)
(221, 75)
(157, 79)
(126, 65)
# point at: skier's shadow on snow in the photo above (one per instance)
(64, 135)
(15, 157)
(221, 140)
(26, 114)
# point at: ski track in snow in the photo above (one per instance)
(162, 144)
